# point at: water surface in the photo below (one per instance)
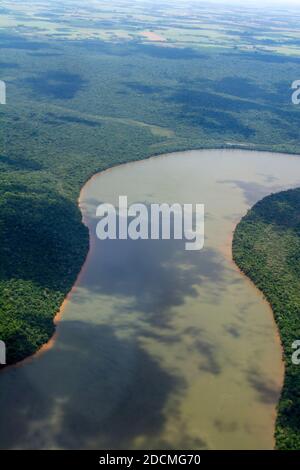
(159, 347)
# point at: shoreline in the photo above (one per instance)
(227, 249)
(58, 315)
(229, 256)
(227, 252)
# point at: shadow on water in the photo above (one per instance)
(253, 191)
(115, 391)
(154, 275)
(266, 390)
(121, 394)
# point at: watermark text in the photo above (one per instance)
(296, 94)
(2, 353)
(296, 354)
(2, 92)
(155, 221)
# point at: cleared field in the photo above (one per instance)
(203, 25)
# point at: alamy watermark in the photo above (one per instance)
(2, 353)
(2, 344)
(296, 94)
(296, 354)
(154, 221)
(296, 344)
(2, 92)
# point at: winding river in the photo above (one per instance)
(158, 347)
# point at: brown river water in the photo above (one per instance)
(159, 347)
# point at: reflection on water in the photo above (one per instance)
(159, 347)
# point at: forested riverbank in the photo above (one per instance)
(266, 247)
(71, 113)
(77, 107)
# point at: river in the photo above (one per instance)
(159, 347)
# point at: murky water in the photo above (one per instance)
(159, 347)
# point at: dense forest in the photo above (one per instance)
(266, 247)
(75, 109)
(78, 107)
